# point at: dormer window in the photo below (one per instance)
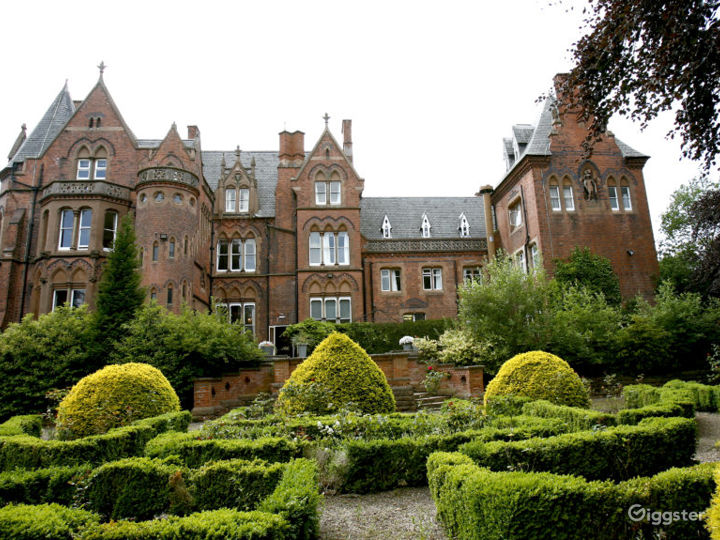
(386, 228)
(237, 200)
(464, 226)
(425, 226)
(328, 192)
(230, 195)
(243, 199)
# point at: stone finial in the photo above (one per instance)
(101, 67)
(326, 118)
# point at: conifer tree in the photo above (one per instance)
(119, 292)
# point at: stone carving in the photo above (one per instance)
(426, 244)
(589, 186)
(167, 174)
(86, 188)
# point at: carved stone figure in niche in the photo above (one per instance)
(589, 186)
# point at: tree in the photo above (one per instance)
(119, 292)
(594, 272)
(642, 57)
(706, 235)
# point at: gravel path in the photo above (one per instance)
(401, 514)
(709, 434)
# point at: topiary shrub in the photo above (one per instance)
(539, 375)
(114, 396)
(339, 373)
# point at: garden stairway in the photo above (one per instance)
(425, 400)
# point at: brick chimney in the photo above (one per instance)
(347, 138)
(193, 132)
(292, 148)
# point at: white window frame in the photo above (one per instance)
(64, 228)
(390, 280)
(243, 200)
(515, 216)
(338, 302)
(329, 248)
(425, 227)
(626, 198)
(315, 249)
(241, 309)
(222, 253)
(554, 200)
(434, 276)
(386, 228)
(321, 193)
(100, 172)
(250, 255)
(236, 254)
(519, 259)
(568, 198)
(464, 226)
(83, 169)
(112, 230)
(230, 200)
(84, 226)
(75, 297)
(335, 188)
(472, 274)
(613, 198)
(534, 255)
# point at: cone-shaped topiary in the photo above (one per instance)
(337, 374)
(538, 375)
(115, 396)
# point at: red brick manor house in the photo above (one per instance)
(282, 235)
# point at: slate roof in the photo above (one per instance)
(266, 164)
(523, 133)
(405, 215)
(155, 143)
(48, 128)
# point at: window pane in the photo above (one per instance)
(343, 251)
(395, 285)
(100, 169)
(170, 296)
(568, 196)
(334, 192)
(315, 248)
(612, 196)
(427, 278)
(316, 308)
(78, 297)
(230, 200)
(554, 200)
(244, 200)
(345, 312)
(171, 249)
(418, 316)
(222, 255)
(330, 309)
(320, 195)
(85, 222)
(236, 255)
(235, 312)
(625, 193)
(59, 298)
(250, 255)
(385, 280)
(328, 248)
(437, 275)
(156, 251)
(249, 317)
(66, 229)
(83, 172)
(109, 228)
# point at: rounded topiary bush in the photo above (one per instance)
(538, 375)
(115, 396)
(339, 373)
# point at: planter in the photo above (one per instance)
(301, 350)
(408, 347)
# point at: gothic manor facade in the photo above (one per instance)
(279, 236)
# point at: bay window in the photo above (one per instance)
(331, 309)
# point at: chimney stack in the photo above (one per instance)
(292, 148)
(193, 132)
(347, 139)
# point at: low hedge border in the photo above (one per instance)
(54, 484)
(26, 452)
(617, 453)
(691, 396)
(25, 424)
(290, 511)
(475, 503)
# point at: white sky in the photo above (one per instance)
(431, 87)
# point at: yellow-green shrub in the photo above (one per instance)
(114, 396)
(338, 373)
(712, 515)
(539, 375)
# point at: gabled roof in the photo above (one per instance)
(523, 133)
(266, 164)
(49, 127)
(406, 216)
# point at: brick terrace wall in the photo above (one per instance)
(213, 395)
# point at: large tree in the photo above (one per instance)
(706, 234)
(119, 293)
(641, 57)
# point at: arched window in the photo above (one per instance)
(230, 199)
(236, 255)
(109, 229)
(386, 228)
(568, 198)
(554, 195)
(625, 195)
(155, 252)
(170, 295)
(613, 195)
(249, 261)
(243, 200)
(171, 248)
(100, 162)
(425, 227)
(464, 227)
(66, 229)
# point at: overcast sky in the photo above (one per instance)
(431, 87)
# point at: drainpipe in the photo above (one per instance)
(28, 242)
(527, 230)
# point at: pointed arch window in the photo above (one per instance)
(171, 248)
(425, 228)
(243, 200)
(170, 295)
(155, 252)
(625, 195)
(230, 197)
(386, 228)
(236, 255)
(464, 226)
(249, 261)
(568, 198)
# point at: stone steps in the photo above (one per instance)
(426, 401)
(404, 398)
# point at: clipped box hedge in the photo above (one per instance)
(25, 424)
(476, 503)
(27, 452)
(44, 521)
(54, 484)
(618, 453)
(691, 396)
